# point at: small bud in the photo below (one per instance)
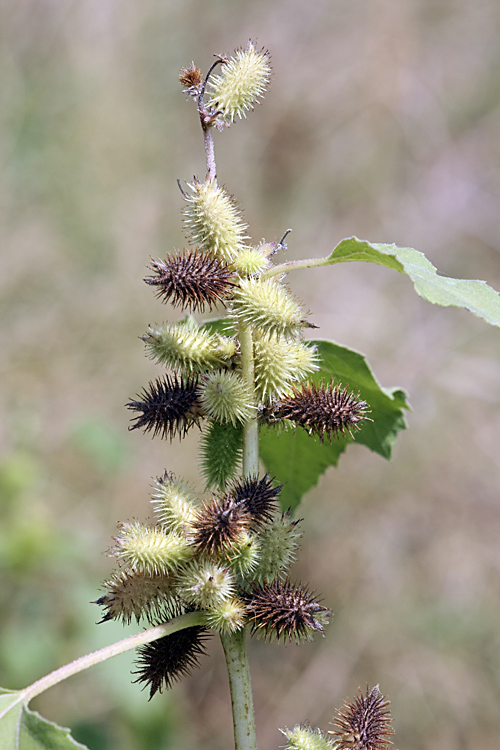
(306, 738)
(135, 595)
(191, 80)
(242, 82)
(149, 549)
(163, 662)
(279, 542)
(213, 222)
(364, 723)
(250, 261)
(173, 503)
(285, 612)
(267, 305)
(168, 407)
(228, 617)
(206, 585)
(279, 363)
(191, 280)
(225, 397)
(321, 410)
(184, 347)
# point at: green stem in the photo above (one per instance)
(190, 620)
(234, 645)
(241, 690)
(294, 265)
(250, 428)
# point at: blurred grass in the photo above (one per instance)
(382, 121)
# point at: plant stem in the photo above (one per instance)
(294, 265)
(241, 691)
(84, 662)
(250, 428)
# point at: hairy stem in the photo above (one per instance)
(210, 154)
(241, 691)
(190, 620)
(294, 265)
(250, 428)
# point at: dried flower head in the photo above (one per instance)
(191, 80)
(168, 407)
(132, 595)
(218, 525)
(241, 83)
(257, 497)
(323, 410)
(191, 280)
(364, 723)
(285, 612)
(163, 662)
(212, 220)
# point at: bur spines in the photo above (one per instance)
(268, 306)
(323, 410)
(169, 659)
(173, 503)
(285, 612)
(169, 406)
(133, 595)
(188, 348)
(149, 549)
(191, 280)
(242, 82)
(364, 723)
(212, 220)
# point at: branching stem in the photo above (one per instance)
(250, 428)
(189, 620)
(294, 265)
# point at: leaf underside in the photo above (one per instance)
(473, 295)
(23, 729)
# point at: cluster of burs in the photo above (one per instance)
(226, 555)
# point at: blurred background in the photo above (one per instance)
(383, 121)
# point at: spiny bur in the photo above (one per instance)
(364, 723)
(285, 612)
(242, 82)
(168, 407)
(168, 659)
(322, 410)
(191, 280)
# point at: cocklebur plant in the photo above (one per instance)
(218, 563)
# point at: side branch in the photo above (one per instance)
(189, 620)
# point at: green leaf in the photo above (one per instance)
(22, 729)
(475, 296)
(299, 459)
